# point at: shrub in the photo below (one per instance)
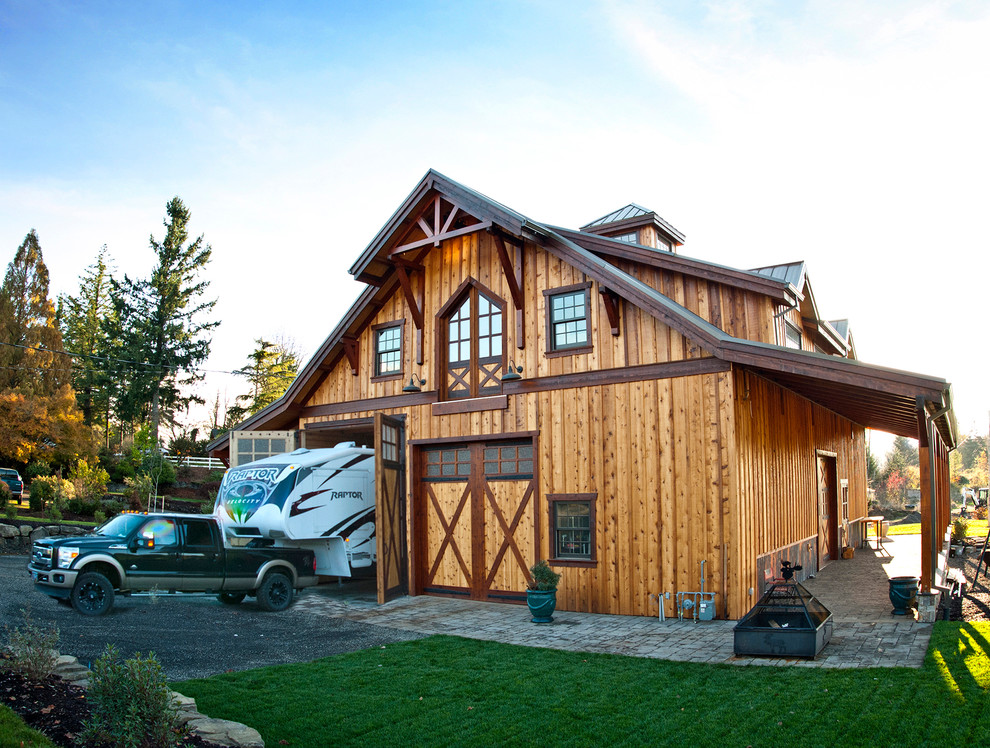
(9, 509)
(155, 464)
(32, 650)
(121, 470)
(37, 469)
(139, 490)
(112, 507)
(960, 529)
(544, 578)
(981, 512)
(99, 516)
(79, 506)
(90, 483)
(41, 493)
(52, 512)
(130, 702)
(6, 495)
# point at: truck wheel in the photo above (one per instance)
(275, 592)
(230, 598)
(92, 595)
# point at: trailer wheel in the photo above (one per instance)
(231, 598)
(92, 595)
(275, 592)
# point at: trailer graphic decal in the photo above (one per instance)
(352, 523)
(297, 508)
(244, 490)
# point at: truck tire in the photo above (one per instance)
(275, 592)
(231, 598)
(92, 595)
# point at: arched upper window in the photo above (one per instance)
(473, 343)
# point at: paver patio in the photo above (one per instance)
(854, 590)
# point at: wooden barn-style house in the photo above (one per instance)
(594, 398)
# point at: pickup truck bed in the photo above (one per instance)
(168, 553)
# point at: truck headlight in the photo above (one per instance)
(66, 556)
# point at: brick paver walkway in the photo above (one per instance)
(855, 591)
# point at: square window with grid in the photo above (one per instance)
(569, 320)
(572, 525)
(572, 529)
(509, 460)
(251, 449)
(448, 464)
(388, 351)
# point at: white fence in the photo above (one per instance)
(207, 462)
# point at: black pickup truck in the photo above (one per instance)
(168, 553)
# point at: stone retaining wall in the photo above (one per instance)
(219, 731)
(17, 537)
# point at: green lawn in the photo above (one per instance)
(13, 732)
(449, 691)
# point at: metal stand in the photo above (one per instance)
(983, 556)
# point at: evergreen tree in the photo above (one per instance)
(85, 334)
(272, 368)
(29, 334)
(162, 325)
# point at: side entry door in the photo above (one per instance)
(390, 508)
(828, 520)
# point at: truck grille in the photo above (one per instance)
(41, 556)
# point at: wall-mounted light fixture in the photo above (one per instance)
(512, 375)
(415, 384)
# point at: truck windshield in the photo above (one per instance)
(121, 525)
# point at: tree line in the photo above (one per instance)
(122, 354)
(900, 472)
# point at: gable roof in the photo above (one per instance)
(630, 217)
(873, 396)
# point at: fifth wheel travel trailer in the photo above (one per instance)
(320, 499)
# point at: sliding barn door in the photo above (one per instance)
(478, 531)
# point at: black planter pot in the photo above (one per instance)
(542, 604)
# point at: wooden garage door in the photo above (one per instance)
(477, 533)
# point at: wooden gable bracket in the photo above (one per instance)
(402, 269)
(351, 351)
(612, 302)
(514, 279)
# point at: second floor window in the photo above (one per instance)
(474, 346)
(792, 336)
(388, 350)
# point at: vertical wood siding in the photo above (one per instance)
(714, 467)
(778, 434)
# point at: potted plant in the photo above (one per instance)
(541, 596)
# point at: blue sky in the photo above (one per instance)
(852, 135)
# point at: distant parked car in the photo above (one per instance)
(13, 479)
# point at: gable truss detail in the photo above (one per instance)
(441, 219)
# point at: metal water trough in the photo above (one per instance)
(788, 621)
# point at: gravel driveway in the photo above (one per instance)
(193, 636)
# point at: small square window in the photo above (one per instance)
(572, 524)
(567, 314)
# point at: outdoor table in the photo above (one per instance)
(877, 522)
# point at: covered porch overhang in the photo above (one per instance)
(896, 402)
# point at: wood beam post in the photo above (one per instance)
(612, 306)
(351, 351)
(514, 279)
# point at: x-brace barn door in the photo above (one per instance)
(477, 504)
